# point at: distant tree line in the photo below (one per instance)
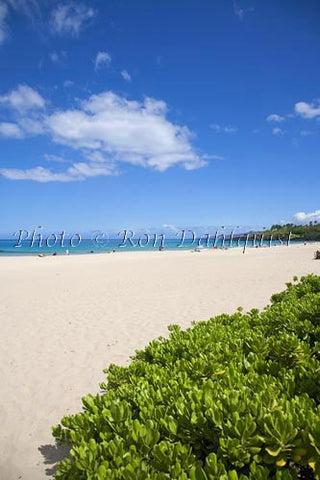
(310, 232)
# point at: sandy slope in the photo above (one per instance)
(64, 319)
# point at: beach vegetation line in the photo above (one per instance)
(236, 397)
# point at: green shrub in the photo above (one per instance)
(235, 397)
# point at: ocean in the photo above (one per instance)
(10, 247)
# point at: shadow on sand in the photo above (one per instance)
(52, 455)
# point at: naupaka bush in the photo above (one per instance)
(235, 397)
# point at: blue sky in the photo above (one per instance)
(122, 114)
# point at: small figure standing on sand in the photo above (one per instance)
(67, 252)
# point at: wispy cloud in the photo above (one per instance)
(306, 133)
(223, 128)
(241, 12)
(31, 126)
(55, 158)
(213, 157)
(307, 110)
(30, 8)
(277, 131)
(103, 59)
(68, 83)
(78, 172)
(70, 18)
(303, 217)
(274, 117)
(58, 57)
(171, 229)
(3, 22)
(126, 76)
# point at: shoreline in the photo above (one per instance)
(141, 250)
(66, 318)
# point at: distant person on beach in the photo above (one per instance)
(67, 252)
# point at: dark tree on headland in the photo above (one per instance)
(310, 232)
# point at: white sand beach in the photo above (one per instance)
(64, 319)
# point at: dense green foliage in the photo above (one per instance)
(235, 397)
(309, 232)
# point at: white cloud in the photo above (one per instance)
(54, 158)
(277, 131)
(307, 110)
(102, 59)
(306, 133)
(223, 129)
(3, 23)
(126, 76)
(274, 117)
(213, 157)
(304, 217)
(54, 57)
(22, 99)
(229, 129)
(31, 126)
(170, 229)
(128, 131)
(57, 57)
(68, 83)
(241, 12)
(70, 18)
(24, 127)
(108, 129)
(10, 130)
(30, 8)
(78, 172)
(38, 174)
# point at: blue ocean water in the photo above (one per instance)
(11, 247)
